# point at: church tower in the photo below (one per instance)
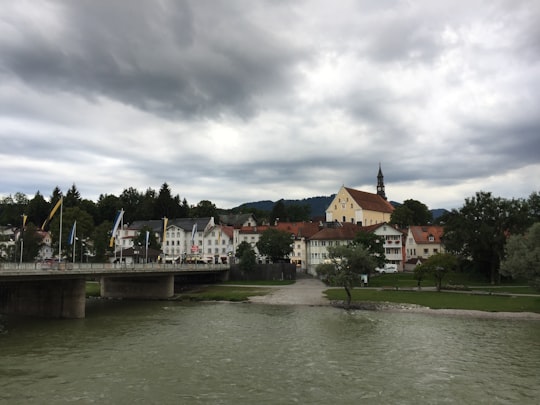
(380, 183)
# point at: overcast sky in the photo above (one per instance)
(239, 101)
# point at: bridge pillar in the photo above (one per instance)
(45, 298)
(147, 287)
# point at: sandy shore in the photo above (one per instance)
(309, 292)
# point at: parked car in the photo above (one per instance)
(388, 268)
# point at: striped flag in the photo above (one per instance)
(53, 211)
(165, 221)
(116, 223)
(71, 237)
(193, 232)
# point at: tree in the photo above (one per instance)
(279, 212)
(84, 228)
(241, 248)
(298, 212)
(523, 256)
(205, 209)
(165, 204)
(73, 197)
(411, 212)
(140, 239)
(11, 209)
(107, 207)
(248, 260)
(275, 244)
(146, 209)
(31, 243)
(534, 207)
(131, 201)
(347, 264)
(402, 216)
(101, 238)
(374, 245)
(185, 210)
(437, 266)
(479, 230)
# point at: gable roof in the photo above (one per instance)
(370, 201)
(374, 227)
(422, 233)
(236, 220)
(184, 223)
(347, 231)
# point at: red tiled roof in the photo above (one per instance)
(370, 201)
(298, 229)
(421, 234)
(228, 230)
(346, 232)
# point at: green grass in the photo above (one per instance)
(403, 280)
(93, 289)
(393, 280)
(507, 289)
(261, 282)
(447, 300)
(221, 293)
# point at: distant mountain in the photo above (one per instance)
(318, 205)
(438, 212)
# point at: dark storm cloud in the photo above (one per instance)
(193, 59)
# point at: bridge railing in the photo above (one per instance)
(45, 266)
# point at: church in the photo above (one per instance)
(360, 207)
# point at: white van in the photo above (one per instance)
(388, 268)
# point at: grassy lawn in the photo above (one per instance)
(261, 282)
(448, 300)
(403, 280)
(221, 293)
(204, 293)
(507, 289)
(93, 289)
(393, 280)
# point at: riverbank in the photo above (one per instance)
(310, 291)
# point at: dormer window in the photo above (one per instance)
(431, 238)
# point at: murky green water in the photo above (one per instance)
(174, 353)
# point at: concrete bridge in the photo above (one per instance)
(58, 290)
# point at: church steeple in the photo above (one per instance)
(380, 183)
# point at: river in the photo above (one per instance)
(223, 353)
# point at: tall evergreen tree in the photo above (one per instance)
(38, 209)
(131, 201)
(73, 197)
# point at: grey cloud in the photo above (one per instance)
(187, 62)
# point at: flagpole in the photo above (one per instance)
(146, 255)
(60, 232)
(21, 236)
(120, 237)
(73, 239)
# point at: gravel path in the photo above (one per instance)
(306, 291)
